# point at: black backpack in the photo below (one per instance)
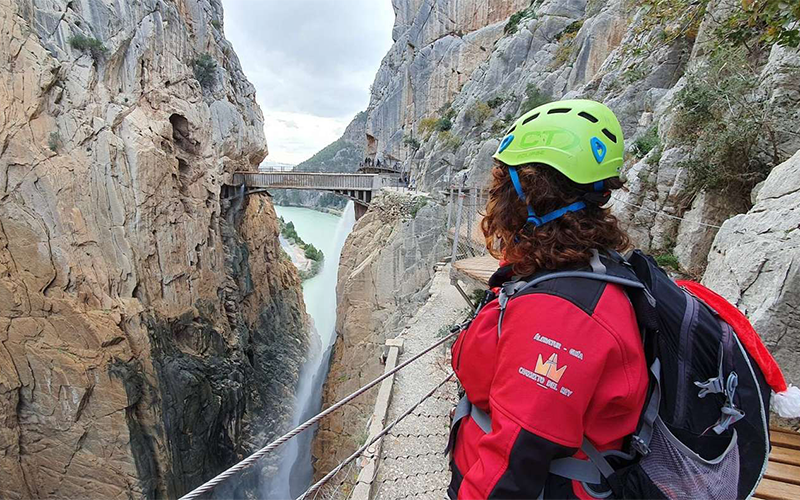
(704, 429)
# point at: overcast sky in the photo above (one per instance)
(312, 62)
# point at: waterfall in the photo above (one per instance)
(295, 470)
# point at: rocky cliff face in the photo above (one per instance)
(705, 118)
(754, 263)
(455, 86)
(150, 333)
(384, 273)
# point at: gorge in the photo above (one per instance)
(152, 331)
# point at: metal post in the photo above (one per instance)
(457, 233)
(471, 220)
(452, 204)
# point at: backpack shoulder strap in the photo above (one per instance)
(514, 288)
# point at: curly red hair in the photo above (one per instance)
(563, 243)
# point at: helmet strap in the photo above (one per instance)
(555, 214)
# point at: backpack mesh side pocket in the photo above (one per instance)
(680, 473)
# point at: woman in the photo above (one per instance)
(568, 363)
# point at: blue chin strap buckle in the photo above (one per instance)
(555, 214)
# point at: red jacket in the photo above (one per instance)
(569, 364)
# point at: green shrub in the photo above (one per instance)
(646, 142)
(534, 98)
(496, 102)
(205, 70)
(479, 112)
(477, 296)
(449, 141)
(765, 22)
(288, 231)
(313, 253)
(420, 202)
(216, 24)
(54, 142)
(570, 31)
(565, 51)
(668, 260)
(443, 124)
(411, 142)
(721, 114)
(516, 18)
(87, 44)
(634, 74)
(427, 126)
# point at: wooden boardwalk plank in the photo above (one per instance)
(783, 472)
(477, 268)
(785, 439)
(776, 490)
(785, 456)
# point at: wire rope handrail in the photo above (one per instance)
(209, 485)
(374, 440)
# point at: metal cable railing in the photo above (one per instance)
(209, 486)
(374, 440)
(465, 213)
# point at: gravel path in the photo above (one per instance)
(413, 464)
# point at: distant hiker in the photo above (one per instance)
(562, 400)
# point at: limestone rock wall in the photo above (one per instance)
(755, 263)
(438, 45)
(150, 333)
(385, 270)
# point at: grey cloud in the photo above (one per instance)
(310, 56)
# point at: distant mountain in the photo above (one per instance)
(343, 155)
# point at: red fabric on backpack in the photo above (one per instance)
(744, 330)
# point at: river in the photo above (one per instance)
(328, 233)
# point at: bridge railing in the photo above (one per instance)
(465, 212)
(302, 180)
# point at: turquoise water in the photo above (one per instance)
(320, 229)
(328, 233)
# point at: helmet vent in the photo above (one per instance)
(558, 110)
(610, 135)
(530, 119)
(589, 117)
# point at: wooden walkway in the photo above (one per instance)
(782, 479)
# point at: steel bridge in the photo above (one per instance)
(358, 187)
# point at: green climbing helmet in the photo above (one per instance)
(580, 138)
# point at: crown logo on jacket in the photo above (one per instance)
(550, 368)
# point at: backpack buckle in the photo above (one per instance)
(507, 290)
(638, 444)
(710, 386)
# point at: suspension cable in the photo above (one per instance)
(252, 459)
(363, 447)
